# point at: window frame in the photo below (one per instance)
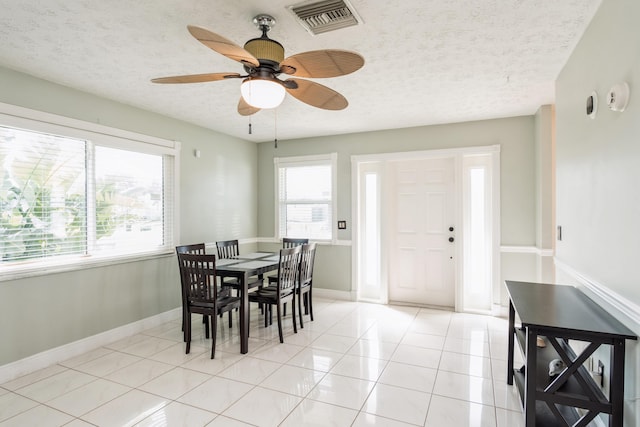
(96, 135)
(330, 159)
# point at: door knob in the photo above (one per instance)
(450, 228)
(451, 239)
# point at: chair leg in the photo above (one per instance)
(293, 313)
(184, 312)
(230, 318)
(309, 300)
(300, 309)
(184, 323)
(306, 303)
(187, 331)
(266, 315)
(214, 332)
(280, 323)
(205, 320)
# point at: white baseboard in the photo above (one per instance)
(333, 294)
(46, 358)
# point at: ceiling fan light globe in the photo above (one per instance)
(262, 93)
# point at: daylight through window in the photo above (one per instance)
(306, 193)
(62, 198)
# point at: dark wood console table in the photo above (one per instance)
(559, 314)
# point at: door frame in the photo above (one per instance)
(379, 162)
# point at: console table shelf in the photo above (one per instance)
(560, 313)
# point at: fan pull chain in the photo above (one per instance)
(250, 125)
(275, 127)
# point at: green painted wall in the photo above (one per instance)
(598, 172)
(518, 188)
(597, 160)
(228, 193)
(217, 201)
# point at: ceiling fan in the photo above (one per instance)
(263, 60)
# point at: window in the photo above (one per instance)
(305, 188)
(65, 200)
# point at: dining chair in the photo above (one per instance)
(305, 281)
(198, 249)
(289, 242)
(284, 289)
(227, 249)
(200, 288)
(231, 249)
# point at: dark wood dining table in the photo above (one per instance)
(243, 267)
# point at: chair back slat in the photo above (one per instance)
(289, 242)
(306, 264)
(227, 249)
(198, 273)
(196, 248)
(288, 270)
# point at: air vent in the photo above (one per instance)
(327, 15)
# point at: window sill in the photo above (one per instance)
(40, 268)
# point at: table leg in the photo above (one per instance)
(244, 315)
(512, 315)
(616, 393)
(530, 378)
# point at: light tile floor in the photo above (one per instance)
(357, 364)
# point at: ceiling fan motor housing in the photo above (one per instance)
(266, 49)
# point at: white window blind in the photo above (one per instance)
(42, 195)
(306, 193)
(64, 198)
(128, 201)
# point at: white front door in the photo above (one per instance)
(420, 224)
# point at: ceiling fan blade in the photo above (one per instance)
(317, 95)
(245, 109)
(197, 78)
(223, 46)
(322, 63)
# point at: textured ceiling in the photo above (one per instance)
(426, 61)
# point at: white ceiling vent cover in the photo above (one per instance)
(326, 15)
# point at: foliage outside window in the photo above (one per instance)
(64, 198)
(306, 192)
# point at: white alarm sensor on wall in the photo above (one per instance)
(618, 97)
